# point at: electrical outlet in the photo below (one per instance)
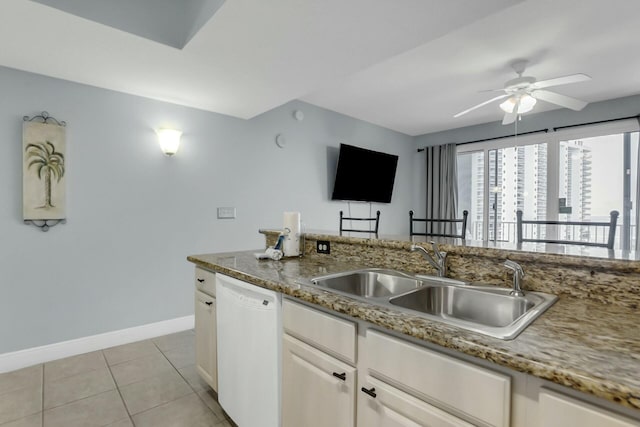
(226, 213)
(323, 247)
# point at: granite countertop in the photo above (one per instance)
(570, 253)
(582, 344)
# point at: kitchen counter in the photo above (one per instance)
(578, 343)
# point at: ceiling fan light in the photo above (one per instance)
(508, 105)
(527, 102)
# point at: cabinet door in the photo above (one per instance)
(557, 410)
(386, 406)
(206, 351)
(317, 389)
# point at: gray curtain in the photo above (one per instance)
(442, 185)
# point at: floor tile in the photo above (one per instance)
(73, 366)
(124, 353)
(77, 387)
(95, 411)
(20, 403)
(122, 423)
(180, 339)
(186, 411)
(210, 398)
(23, 378)
(181, 356)
(155, 391)
(193, 378)
(139, 369)
(30, 421)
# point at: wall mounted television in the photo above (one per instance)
(364, 175)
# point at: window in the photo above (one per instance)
(598, 175)
(578, 174)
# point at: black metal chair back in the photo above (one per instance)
(434, 227)
(610, 227)
(369, 230)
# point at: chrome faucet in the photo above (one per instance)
(518, 274)
(440, 263)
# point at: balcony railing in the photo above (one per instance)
(507, 232)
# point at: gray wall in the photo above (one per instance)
(134, 214)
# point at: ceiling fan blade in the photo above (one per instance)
(491, 90)
(561, 100)
(509, 118)
(481, 105)
(565, 80)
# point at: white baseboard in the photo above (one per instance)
(33, 356)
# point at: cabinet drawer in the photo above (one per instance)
(457, 386)
(557, 410)
(329, 333)
(205, 281)
(393, 407)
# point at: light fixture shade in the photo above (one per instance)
(169, 140)
(526, 103)
(508, 105)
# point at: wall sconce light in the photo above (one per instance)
(169, 140)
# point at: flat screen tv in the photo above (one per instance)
(364, 175)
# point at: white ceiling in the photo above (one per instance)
(408, 65)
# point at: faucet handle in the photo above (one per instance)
(436, 250)
(512, 265)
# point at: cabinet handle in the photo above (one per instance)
(371, 392)
(342, 376)
(208, 302)
(200, 280)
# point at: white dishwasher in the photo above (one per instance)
(249, 352)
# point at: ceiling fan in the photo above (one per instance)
(523, 92)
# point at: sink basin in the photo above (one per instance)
(369, 283)
(484, 309)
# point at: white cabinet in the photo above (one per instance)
(556, 410)
(206, 351)
(381, 405)
(205, 325)
(317, 389)
(459, 387)
(402, 384)
(318, 386)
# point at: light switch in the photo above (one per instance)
(226, 213)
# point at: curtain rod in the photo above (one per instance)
(547, 130)
(598, 122)
(495, 137)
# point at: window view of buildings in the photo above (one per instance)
(593, 176)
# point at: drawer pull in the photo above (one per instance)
(370, 392)
(342, 376)
(200, 280)
(208, 302)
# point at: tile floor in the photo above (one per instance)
(146, 383)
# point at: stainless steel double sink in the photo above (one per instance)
(488, 310)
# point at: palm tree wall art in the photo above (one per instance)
(48, 163)
(44, 192)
